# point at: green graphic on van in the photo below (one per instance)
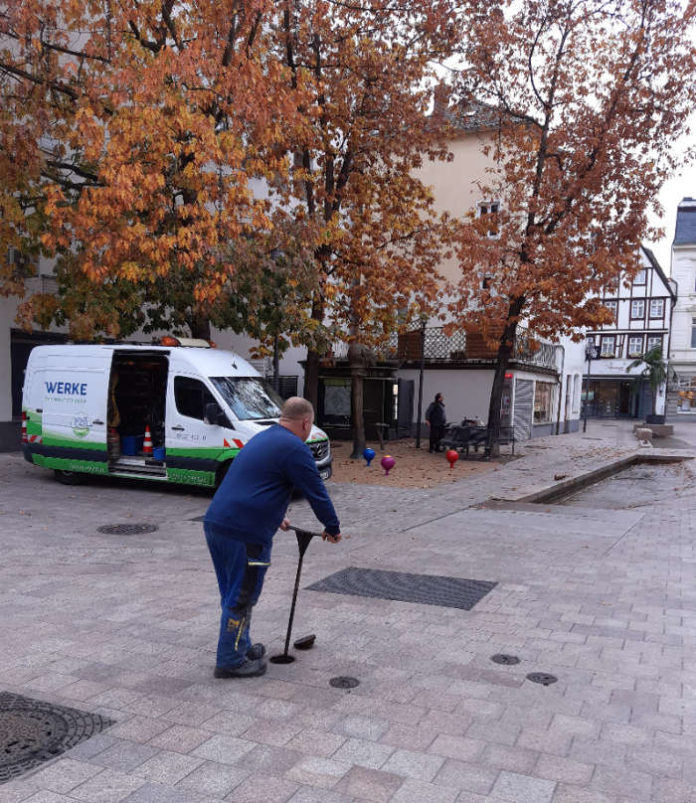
(80, 426)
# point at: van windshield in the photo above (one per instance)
(248, 397)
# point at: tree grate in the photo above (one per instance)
(32, 731)
(127, 529)
(426, 589)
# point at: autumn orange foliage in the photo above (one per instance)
(591, 96)
(131, 133)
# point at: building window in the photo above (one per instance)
(635, 346)
(612, 286)
(686, 397)
(543, 402)
(612, 306)
(640, 277)
(490, 210)
(693, 333)
(607, 346)
(657, 308)
(637, 309)
(654, 341)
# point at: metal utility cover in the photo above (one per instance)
(32, 731)
(127, 529)
(426, 589)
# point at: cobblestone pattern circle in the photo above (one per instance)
(32, 731)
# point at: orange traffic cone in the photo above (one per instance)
(147, 444)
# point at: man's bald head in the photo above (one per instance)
(296, 407)
(297, 415)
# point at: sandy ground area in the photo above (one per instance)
(414, 468)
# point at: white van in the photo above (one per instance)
(176, 413)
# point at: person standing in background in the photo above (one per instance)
(435, 419)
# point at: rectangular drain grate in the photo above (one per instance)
(427, 589)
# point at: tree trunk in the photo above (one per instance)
(199, 326)
(357, 377)
(505, 352)
(311, 378)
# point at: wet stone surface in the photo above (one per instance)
(638, 486)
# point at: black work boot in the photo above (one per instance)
(247, 669)
(256, 651)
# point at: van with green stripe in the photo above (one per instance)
(178, 412)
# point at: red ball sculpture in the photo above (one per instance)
(388, 463)
(452, 455)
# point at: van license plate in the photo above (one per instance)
(325, 473)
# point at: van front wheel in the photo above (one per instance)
(69, 477)
(221, 472)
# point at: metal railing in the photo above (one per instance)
(440, 347)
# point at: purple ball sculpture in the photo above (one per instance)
(369, 455)
(388, 463)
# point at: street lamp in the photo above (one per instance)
(423, 322)
(591, 353)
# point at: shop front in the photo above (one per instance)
(616, 398)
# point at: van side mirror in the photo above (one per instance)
(212, 414)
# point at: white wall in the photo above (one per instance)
(682, 356)
(466, 392)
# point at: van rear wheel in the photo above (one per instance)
(69, 477)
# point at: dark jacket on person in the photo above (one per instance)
(435, 414)
(252, 500)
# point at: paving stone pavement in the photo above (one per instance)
(598, 591)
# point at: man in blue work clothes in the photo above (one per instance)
(246, 511)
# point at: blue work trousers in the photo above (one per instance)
(240, 568)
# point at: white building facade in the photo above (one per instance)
(643, 310)
(681, 397)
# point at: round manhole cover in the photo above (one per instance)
(344, 682)
(507, 660)
(542, 677)
(32, 731)
(127, 529)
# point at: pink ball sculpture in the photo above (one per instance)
(388, 463)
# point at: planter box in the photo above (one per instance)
(654, 419)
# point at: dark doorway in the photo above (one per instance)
(404, 415)
(21, 344)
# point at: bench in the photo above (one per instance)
(462, 437)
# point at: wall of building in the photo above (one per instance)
(466, 392)
(455, 184)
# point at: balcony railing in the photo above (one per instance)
(440, 347)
